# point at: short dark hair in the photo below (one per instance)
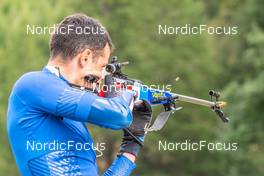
(69, 43)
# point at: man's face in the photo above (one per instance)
(95, 65)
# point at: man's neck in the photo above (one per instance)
(66, 69)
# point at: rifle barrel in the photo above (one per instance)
(194, 100)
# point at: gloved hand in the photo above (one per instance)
(142, 114)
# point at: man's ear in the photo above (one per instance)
(86, 57)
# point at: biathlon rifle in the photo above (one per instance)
(159, 97)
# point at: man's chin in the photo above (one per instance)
(94, 87)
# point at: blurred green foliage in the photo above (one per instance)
(232, 64)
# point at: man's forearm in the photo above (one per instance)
(121, 166)
(130, 156)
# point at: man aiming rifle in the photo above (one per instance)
(54, 104)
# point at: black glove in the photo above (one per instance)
(134, 135)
